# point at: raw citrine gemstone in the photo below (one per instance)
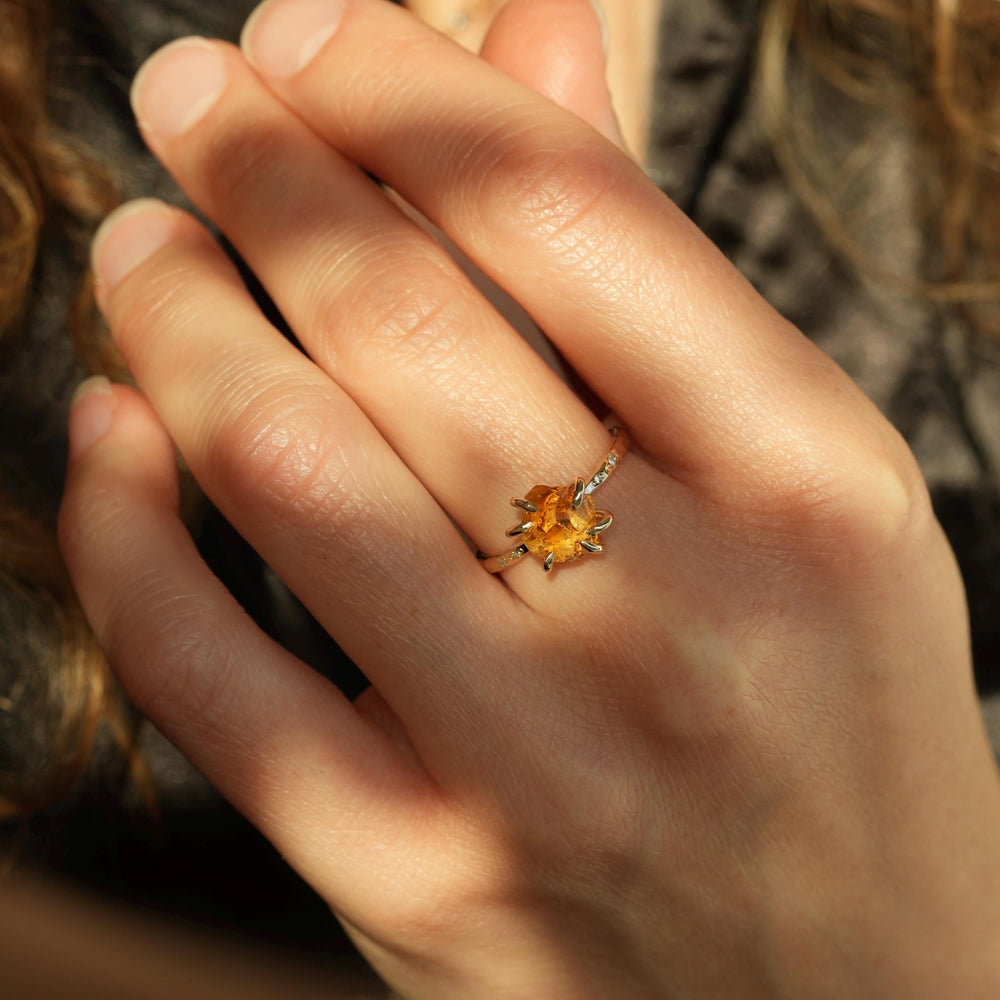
(557, 528)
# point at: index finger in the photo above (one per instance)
(643, 305)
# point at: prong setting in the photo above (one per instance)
(561, 523)
(604, 523)
(519, 529)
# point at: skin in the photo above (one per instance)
(738, 753)
(631, 28)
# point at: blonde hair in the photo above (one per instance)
(928, 65)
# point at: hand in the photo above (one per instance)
(738, 753)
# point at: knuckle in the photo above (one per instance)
(280, 450)
(568, 201)
(887, 504)
(861, 506)
(405, 315)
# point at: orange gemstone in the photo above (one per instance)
(557, 528)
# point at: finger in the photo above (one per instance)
(466, 23)
(296, 467)
(661, 326)
(377, 303)
(555, 55)
(556, 47)
(256, 721)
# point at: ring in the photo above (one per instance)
(562, 522)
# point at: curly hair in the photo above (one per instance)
(930, 63)
(50, 188)
(930, 66)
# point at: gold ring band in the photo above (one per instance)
(561, 523)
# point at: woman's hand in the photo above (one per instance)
(736, 754)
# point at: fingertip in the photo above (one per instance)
(101, 409)
(131, 234)
(527, 35)
(559, 49)
(91, 413)
(117, 448)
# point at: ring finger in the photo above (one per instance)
(376, 302)
(294, 464)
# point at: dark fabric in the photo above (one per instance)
(934, 379)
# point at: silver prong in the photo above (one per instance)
(524, 505)
(549, 561)
(518, 529)
(591, 546)
(578, 487)
(604, 523)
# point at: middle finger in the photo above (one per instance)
(375, 301)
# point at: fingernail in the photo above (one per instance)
(91, 412)
(177, 86)
(127, 237)
(602, 18)
(282, 36)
